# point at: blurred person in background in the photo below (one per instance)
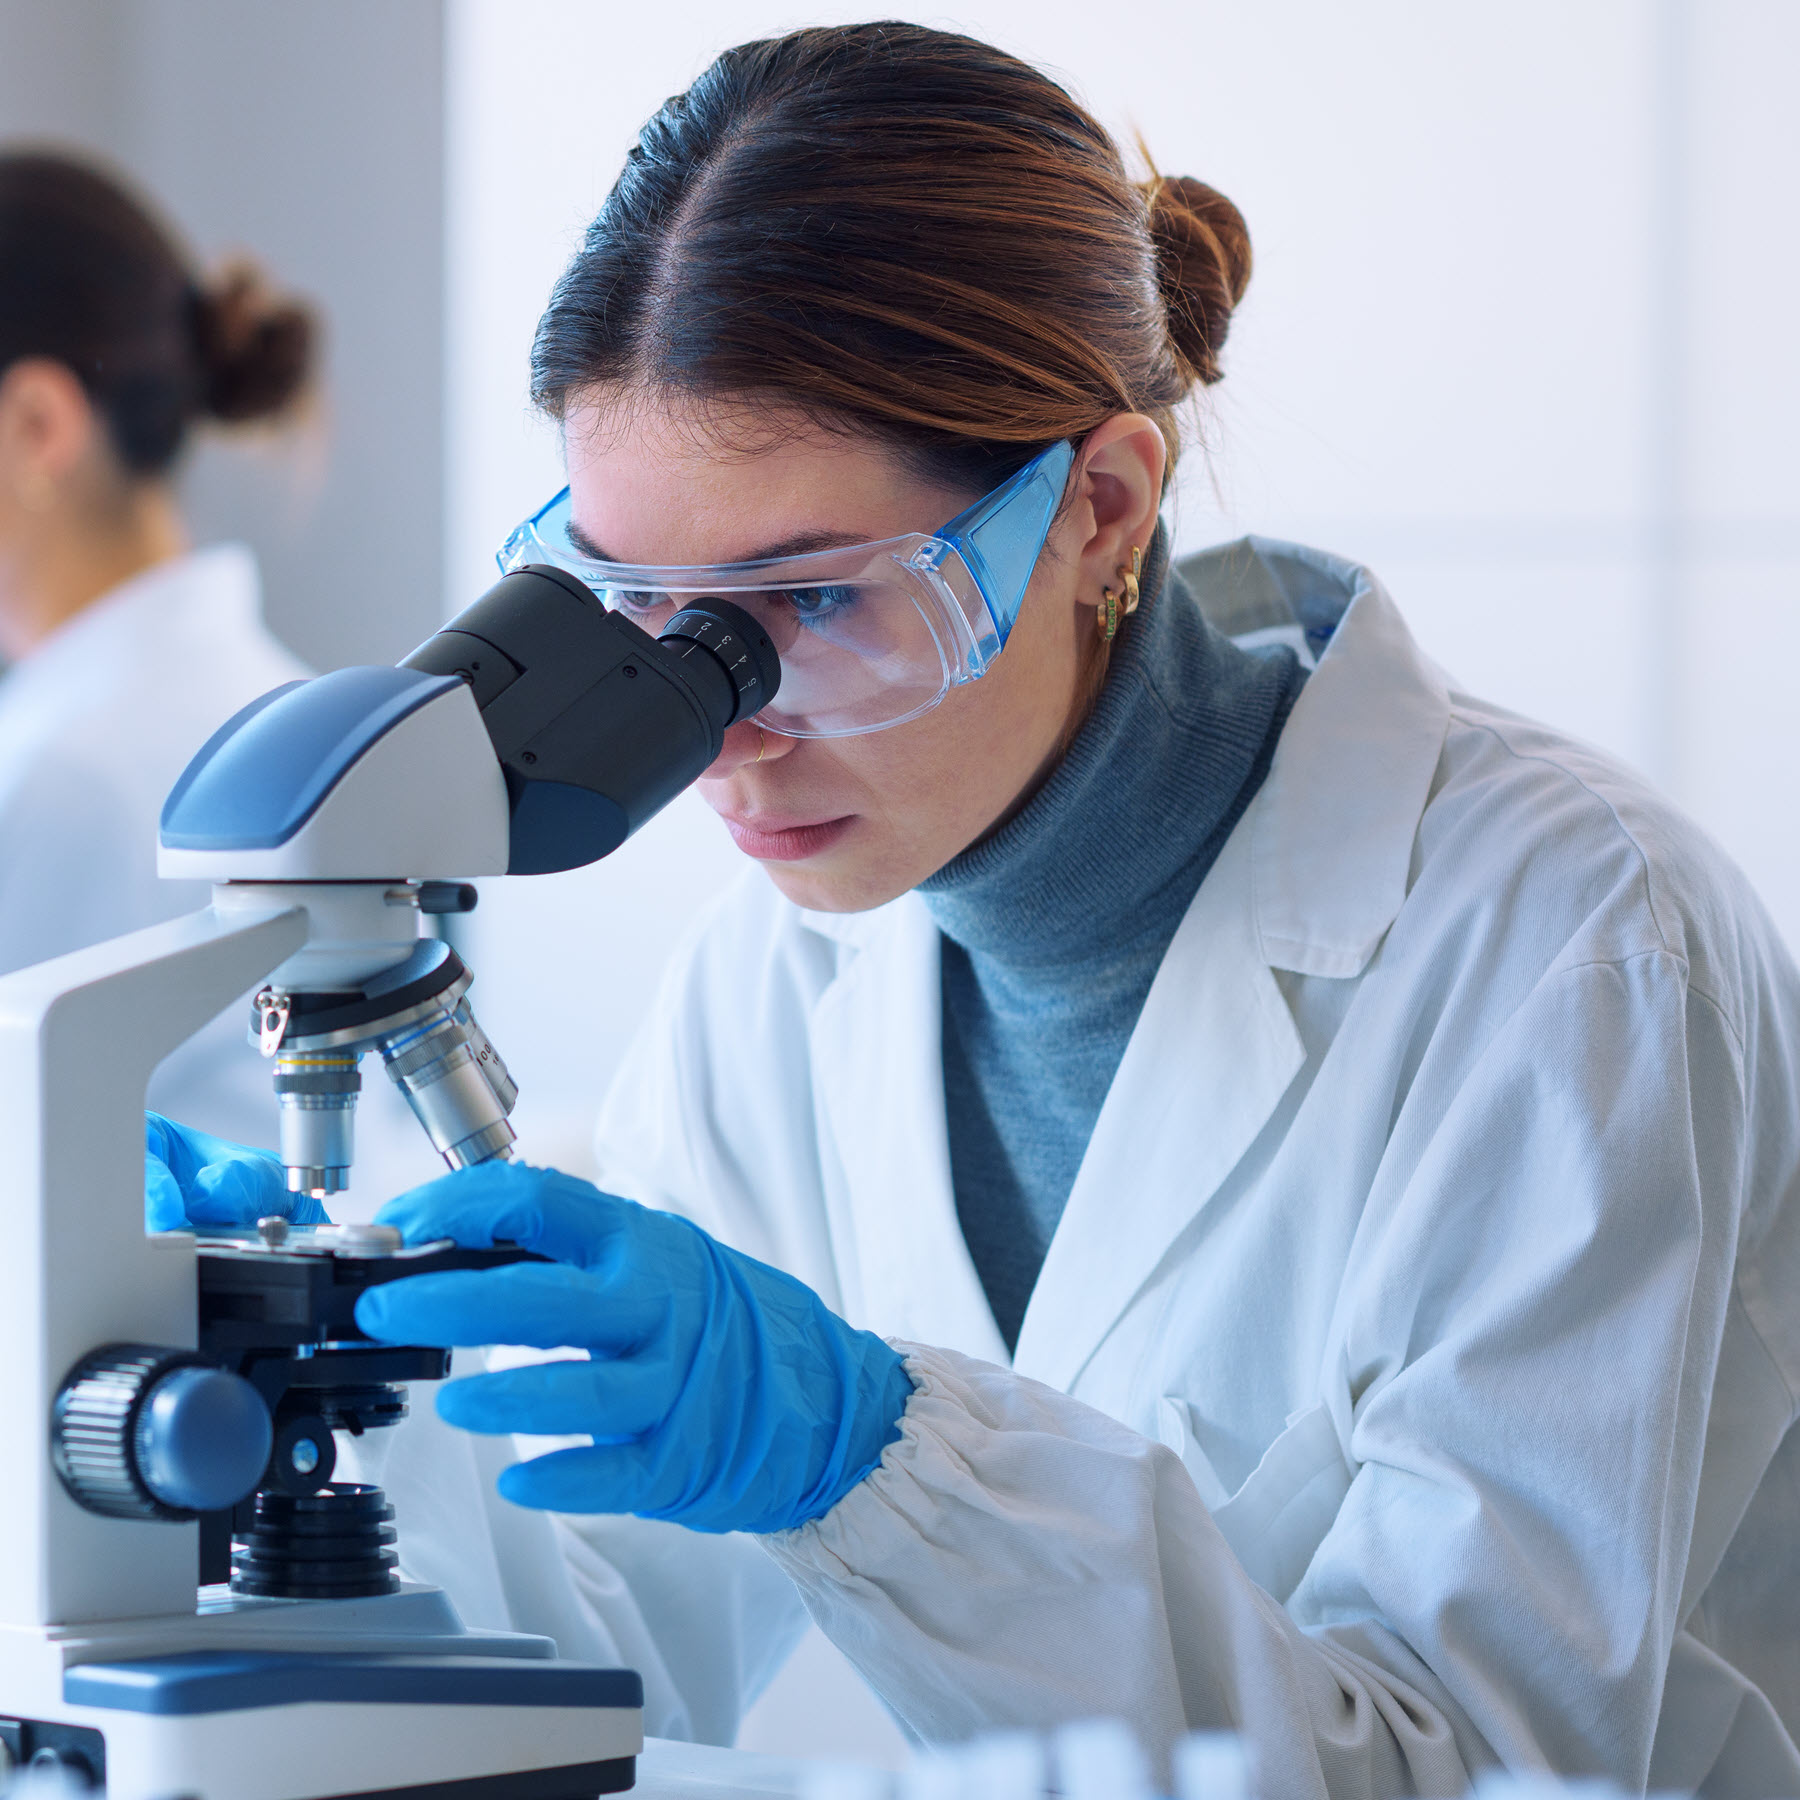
(124, 645)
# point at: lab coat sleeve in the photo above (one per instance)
(1540, 1298)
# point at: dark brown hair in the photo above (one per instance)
(94, 280)
(902, 229)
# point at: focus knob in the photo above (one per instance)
(139, 1432)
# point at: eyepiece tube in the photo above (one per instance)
(596, 724)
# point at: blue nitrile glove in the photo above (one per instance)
(194, 1178)
(720, 1393)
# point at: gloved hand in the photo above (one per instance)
(720, 1393)
(194, 1178)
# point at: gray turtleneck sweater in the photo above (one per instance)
(1054, 926)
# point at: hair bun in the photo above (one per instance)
(1202, 266)
(256, 347)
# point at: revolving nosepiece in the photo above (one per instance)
(416, 1015)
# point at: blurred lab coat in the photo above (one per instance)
(1411, 1381)
(95, 726)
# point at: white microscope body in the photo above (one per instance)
(318, 813)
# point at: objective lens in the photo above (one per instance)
(456, 1085)
(317, 1094)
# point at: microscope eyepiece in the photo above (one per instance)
(596, 724)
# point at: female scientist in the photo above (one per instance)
(1320, 1152)
(124, 647)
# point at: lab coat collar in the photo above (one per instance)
(1310, 881)
(1212, 1053)
(1334, 825)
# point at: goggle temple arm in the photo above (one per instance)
(1001, 536)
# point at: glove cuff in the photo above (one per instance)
(877, 1390)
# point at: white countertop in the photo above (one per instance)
(671, 1771)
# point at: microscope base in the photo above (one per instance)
(251, 1724)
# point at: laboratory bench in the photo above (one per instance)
(670, 1771)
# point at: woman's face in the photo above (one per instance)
(842, 824)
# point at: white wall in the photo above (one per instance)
(1520, 336)
(314, 135)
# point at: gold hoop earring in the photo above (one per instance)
(1122, 605)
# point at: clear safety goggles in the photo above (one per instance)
(870, 635)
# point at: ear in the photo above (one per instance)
(48, 428)
(1118, 493)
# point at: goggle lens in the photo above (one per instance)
(856, 655)
(871, 635)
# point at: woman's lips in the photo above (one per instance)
(770, 841)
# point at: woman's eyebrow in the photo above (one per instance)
(805, 543)
(586, 544)
(802, 543)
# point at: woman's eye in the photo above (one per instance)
(638, 603)
(815, 603)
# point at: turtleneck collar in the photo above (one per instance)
(1111, 849)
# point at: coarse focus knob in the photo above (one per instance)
(140, 1432)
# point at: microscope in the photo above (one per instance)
(191, 1608)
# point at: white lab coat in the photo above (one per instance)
(95, 727)
(1411, 1381)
